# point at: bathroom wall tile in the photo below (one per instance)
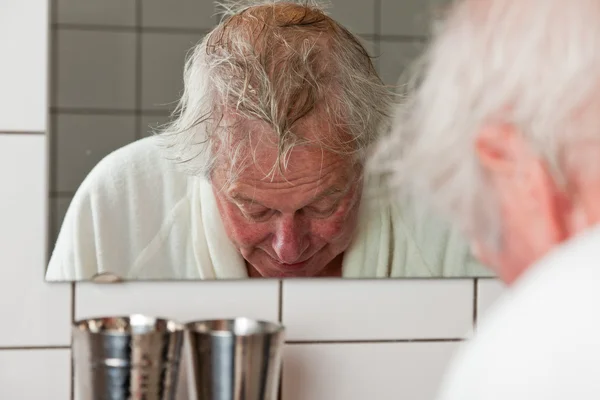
(164, 56)
(365, 371)
(356, 15)
(96, 69)
(24, 64)
(377, 310)
(190, 14)
(409, 17)
(150, 123)
(35, 374)
(488, 291)
(105, 12)
(37, 313)
(182, 301)
(58, 209)
(396, 57)
(83, 140)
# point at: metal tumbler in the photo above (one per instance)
(128, 357)
(235, 359)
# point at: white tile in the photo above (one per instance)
(24, 65)
(183, 301)
(395, 57)
(488, 291)
(58, 209)
(105, 12)
(37, 313)
(35, 374)
(84, 140)
(409, 17)
(164, 56)
(365, 371)
(377, 310)
(96, 69)
(358, 16)
(195, 14)
(151, 123)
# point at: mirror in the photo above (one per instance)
(123, 208)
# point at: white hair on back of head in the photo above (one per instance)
(274, 65)
(533, 64)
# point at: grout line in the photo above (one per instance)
(100, 111)
(377, 36)
(403, 38)
(292, 342)
(280, 304)
(52, 132)
(22, 133)
(8, 348)
(138, 69)
(130, 29)
(72, 359)
(475, 296)
(61, 194)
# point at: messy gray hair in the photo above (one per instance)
(275, 62)
(532, 64)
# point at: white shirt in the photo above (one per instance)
(137, 216)
(541, 339)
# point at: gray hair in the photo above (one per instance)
(275, 62)
(532, 64)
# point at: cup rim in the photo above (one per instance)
(83, 324)
(268, 327)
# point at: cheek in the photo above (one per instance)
(338, 228)
(239, 230)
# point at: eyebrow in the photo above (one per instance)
(332, 190)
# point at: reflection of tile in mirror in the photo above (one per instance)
(58, 209)
(189, 14)
(105, 12)
(408, 17)
(356, 15)
(150, 123)
(395, 58)
(83, 140)
(371, 48)
(96, 69)
(163, 57)
(330, 371)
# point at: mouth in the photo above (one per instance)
(291, 267)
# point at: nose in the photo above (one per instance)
(290, 240)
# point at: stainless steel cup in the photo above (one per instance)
(126, 357)
(235, 359)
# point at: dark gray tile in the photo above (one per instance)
(195, 14)
(83, 140)
(94, 12)
(96, 70)
(409, 17)
(163, 58)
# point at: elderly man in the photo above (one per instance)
(502, 133)
(260, 174)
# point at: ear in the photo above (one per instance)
(499, 148)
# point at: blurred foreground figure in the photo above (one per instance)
(502, 133)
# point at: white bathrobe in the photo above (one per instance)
(541, 339)
(137, 216)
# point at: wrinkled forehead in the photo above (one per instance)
(254, 153)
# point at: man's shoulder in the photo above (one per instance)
(139, 164)
(529, 341)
